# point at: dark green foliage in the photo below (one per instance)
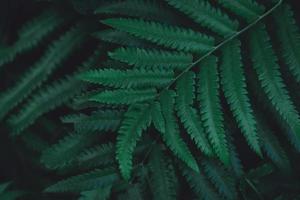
(148, 99)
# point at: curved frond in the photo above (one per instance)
(203, 13)
(234, 87)
(265, 64)
(169, 36)
(136, 119)
(210, 108)
(185, 88)
(171, 135)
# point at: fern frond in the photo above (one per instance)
(6, 194)
(65, 151)
(157, 117)
(188, 115)
(128, 79)
(31, 34)
(43, 101)
(136, 8)
(221, 179)
(53, 58)
(96, 156)
(210, 108)
(102, 120)
(97, 194)
(150, 58)
(248, 9)
(120, 37)
(272, 147)
(161, 176)
(200, 184)
(124, 96)
(171, 135)
(234, 87)
(95, 179)
(203, 13)
(136, 119)
(169, 36)
(34, 142)
(265, 64)
(289, 36)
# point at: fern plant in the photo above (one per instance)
(173, 96)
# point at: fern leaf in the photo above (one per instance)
(121, 38)
(43, 101)
(53, 58)
(289, 37)
(221, 179)
(265, 64)
(234, 86)
(65, 151)
(161, 176)
(137, 8)
(129, 78)
(137, 118)
(88, 181)
(200, 184)
(169, 36)
(124, 96)
(157, 117)
(96, 156)
(102, 120)
(192, 122)
(203, 13)
(98, 194)
(210, 108)
(31, 34)
(248, 9)
(171, 135)
(145, 58)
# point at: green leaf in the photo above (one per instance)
(188, 115)
(234, 87)
(210, 107)
(171, 135)
(169, 36)
(136, 119)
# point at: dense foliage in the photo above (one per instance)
(148, 99)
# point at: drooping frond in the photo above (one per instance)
(234, 87)
(171, 135)
(162, 174)
(157, 117)
(221, 179)
(200, 184)
(129, 78)
(248, 9)
(53, 58)
(98, 178)
(206, 15)
(136, 119)
(289, 37)
(265, 64)
(65, 151)
(31, 34)
(151, 58)
(185, 88)
(97, 121)
(210, 108)
(124, 96)
(102, 193)
(43, 101)
(169, 36)
(137, 8)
